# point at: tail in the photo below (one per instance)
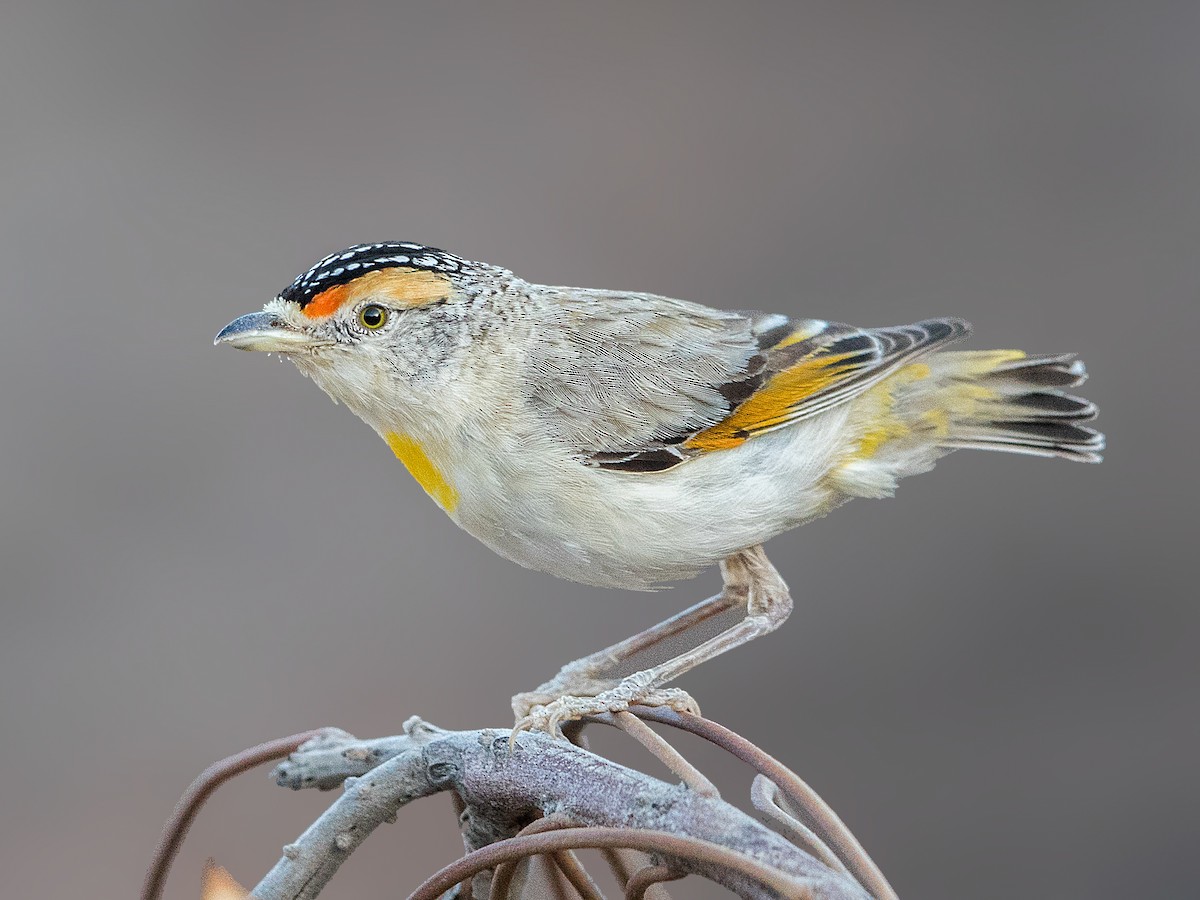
(989, 400)
(1006, 400)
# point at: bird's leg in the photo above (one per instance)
(587, 676)
(749, 577)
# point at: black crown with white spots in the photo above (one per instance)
(346, 265)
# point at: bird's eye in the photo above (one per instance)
(372, 317)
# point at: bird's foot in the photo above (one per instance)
(523, 705)
(566, 683)
(632, 691)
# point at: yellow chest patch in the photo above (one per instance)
(421, 467)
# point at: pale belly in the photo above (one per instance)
(634, 530)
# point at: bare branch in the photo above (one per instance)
(368, 802)
(741, 873)
(328, 759)
(568, 863)
(504, 790)
(767, 799)
(822, 820)
(643, 879)
(188, 807)
(667, 755)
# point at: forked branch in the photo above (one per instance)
(503, 790)
(545, 797)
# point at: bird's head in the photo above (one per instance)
(373, 324)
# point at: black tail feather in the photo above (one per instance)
(1040, 421)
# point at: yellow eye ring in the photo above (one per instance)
(372, 317)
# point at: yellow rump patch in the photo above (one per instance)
(772, 404)
(406, 287)
(421, 467)
(877, 404)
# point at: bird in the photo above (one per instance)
(630, 440)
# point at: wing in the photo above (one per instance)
(816, 365)
(641, 383)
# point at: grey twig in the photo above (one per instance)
(368, 802)
(539, 797)
(505, 790)
(328, 759)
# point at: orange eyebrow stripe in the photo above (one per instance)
(327, 302)
(407, 287)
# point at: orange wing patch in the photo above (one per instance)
(849, 363)
(774, 403)
(407, 287)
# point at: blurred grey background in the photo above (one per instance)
(993, 677)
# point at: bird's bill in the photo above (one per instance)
(262, 331)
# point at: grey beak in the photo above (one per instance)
(262, 331)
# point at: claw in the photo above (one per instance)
(674, 698)
(549, 717)
(591, 686)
